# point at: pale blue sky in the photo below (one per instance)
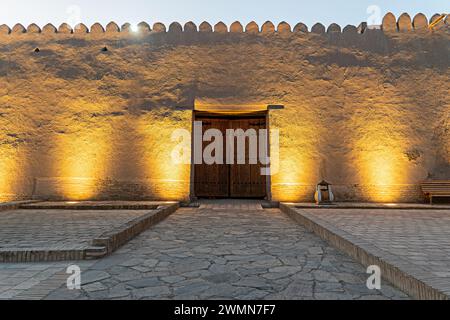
(134, 11)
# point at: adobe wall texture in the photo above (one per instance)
(367, 110)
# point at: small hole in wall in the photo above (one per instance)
(104, 49)
(37, 50)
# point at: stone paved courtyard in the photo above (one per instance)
(207, 253)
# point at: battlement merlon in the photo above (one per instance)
(390, 24)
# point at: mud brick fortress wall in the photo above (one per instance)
(88, 113)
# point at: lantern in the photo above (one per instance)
(323, 194)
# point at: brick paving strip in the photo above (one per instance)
(112, 236)
(416, 262)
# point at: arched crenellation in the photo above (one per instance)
(389, 23)
(190, 27)
(220, 27)
(268, 27)
(350, 29)
(236, 27)
(175, 27)
(404, 23)
(5, 29)
(284, 28)
(441, 25)
(126, 27)
(159, 27)
(143, 27)
(252, 28)
(80, 29)
(18, 29)
(301, 28)
(49, 29)
(420, 22)
(33, 28)
(435, 17)
(334, 28)
(65, 29)
(318, 28)
(112, 27)
(205, 27)
(97, 28)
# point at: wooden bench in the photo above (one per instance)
(437, 188)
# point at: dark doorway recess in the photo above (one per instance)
(231, 180)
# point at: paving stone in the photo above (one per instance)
(288, 270)
(119, 291)
(315, 250)
(109, 262)
(321, 275)
(333, 296)
(222, 277)
(131, 262)
(96, 286)
(93, 276)
(128, 275)
(173, 279)
(144, 282)
(253, 295)
(150, 263)
(141, 269)
(350, 278)
(63, 294)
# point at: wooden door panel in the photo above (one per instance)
(246, 180)
(212, 180)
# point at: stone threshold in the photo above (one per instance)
(414, 281)
(100, 247)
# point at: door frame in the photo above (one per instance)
(231, 115)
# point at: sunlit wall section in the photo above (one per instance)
(82, 152)
(15, 180)
(297, 166)
(379, 158)
(12, 169)
(165, 178)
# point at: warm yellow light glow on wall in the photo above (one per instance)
(83, 154)
(166, 179)
(298, 153)
(382, 172)
(379, 159)
(295, 178)
(9, 171)
(82, 160)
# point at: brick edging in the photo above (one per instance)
(14, 205)
(114, 239)
(31, 206)
(361, 250)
